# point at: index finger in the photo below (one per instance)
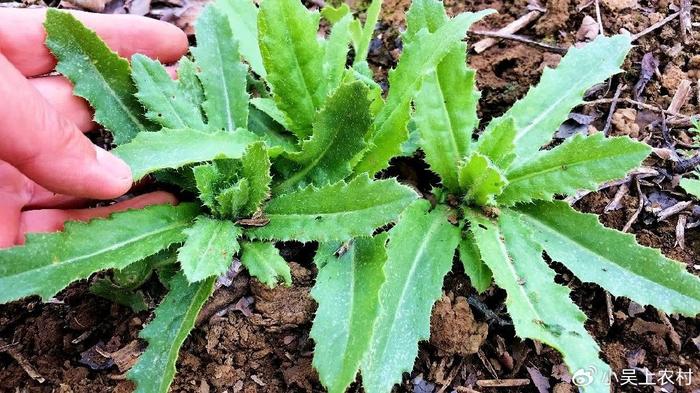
(22, 37)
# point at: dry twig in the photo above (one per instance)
(507, 31)
(613, 106)
(502, 383)
(11, 349)
(655, 26)
(640, 206)
(599, 17)
(519, 38)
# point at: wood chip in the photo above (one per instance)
(680, 231)
(673, 210)
(672, 334)
(11, 349)
(615, 203)
(680, 98)
(502, 383)
(511, 28)
(126, 357)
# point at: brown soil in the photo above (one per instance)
(254, 339)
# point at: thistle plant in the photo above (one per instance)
(280, 138)
(497, 211)
(266, 124)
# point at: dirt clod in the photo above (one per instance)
(454, 331)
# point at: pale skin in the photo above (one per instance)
(49, 170)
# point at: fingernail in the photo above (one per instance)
(113, 165)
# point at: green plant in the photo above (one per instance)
(692, 186)
(496, 208)
(289, 163)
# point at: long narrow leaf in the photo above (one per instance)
(152, 151)
(293, 60)
(174, 319)
(98, 75)
(446, 103)
(243, 19)
(47, 263)
(222, 74)
(612, 259)
(538, 115)
(540, 308)
(335, 212)
(338, 136)
(418, 59)
(347, 293)
(579, 163)
(166, 100)
(420, 252)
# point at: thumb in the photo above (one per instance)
(51, 150)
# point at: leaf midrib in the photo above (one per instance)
(552, 167)
(602, 257)
(434, 226)
(114, 95)
(372, 207)
(114, 246)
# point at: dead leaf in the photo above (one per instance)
(561, 372)
(138, 7)
(540, 381)
(90, 5)
(588, 30)
(636, 357)
(649, 66)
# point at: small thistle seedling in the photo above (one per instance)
(377, 301)
(291, 163)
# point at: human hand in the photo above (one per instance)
(46, 163)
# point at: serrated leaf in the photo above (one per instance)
(98, 75)
(347, 293)
(691, 186)
(479, 274)
(47, 263)
(268, 106)
(579, 163)
(540, 308)
(480, 180)
(335, 56)
(538, 115)
(612, 259)
(420, 252)
(419, 58)
(152, 151)
(165, 99)
(338, 136)
(498, 145)
(128, 297)
(208, 180)
(255, 168)
(233, 199)
(209, 249)
(222, 74)
(189, 82)
(335, 212)
(365, 38)
(173, 321)
(243, 20)
(293, 59)
(446, 102)
(134, 275)
(271, 132)
(263, 261)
